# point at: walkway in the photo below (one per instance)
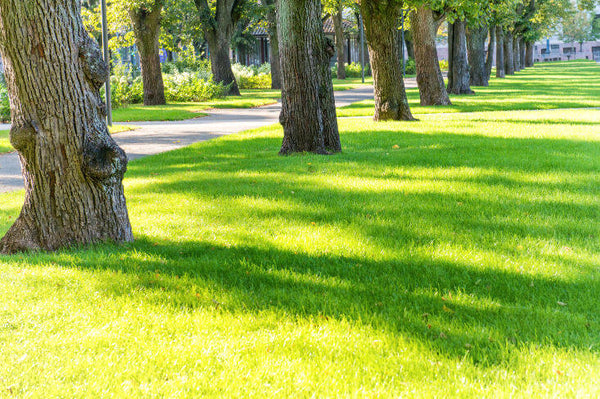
(157, 137)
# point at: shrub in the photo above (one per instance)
(4, 102)
(186, 87)
(353, 70)
(411, 67)
(252, 77)
(443, 65)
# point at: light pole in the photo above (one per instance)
(107, 60)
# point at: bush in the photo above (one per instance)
(252, 77)
(4, 102)
(443, 65)
(353, 70)
(411, 67)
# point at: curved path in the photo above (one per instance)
(157, 137)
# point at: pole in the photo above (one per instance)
(107, 60)
(362, 46)
(402, 48)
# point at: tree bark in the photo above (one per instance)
(476, 55)
(73, 169)
(218, 30)
(529, 57)
(274, 47)
(146, 28)
(308, 107)
(432, 90)
(509, 66)
(340, 43)
(458, 67)
(516, 54)
(500, 73)
(381, 27)
(489, 61)
(522, 51)
(410, 43)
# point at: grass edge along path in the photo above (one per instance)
(427, 260)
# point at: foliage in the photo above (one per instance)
(577, 27)
(252, 77)
(443, 65)
(353, 70)
(411, 67)
(4, 101)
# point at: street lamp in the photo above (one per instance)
(107, 60)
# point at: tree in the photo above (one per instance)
(577, 27)
(146, 17)
(381, 29)
(338, 25)
(308, 111)
(73, 169)
(458, 66)
(424, 24)
(219, 18)
(476, 37)
(270, 9)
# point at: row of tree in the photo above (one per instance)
(72, 167)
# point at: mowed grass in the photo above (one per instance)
(456, 256)
(545, 86)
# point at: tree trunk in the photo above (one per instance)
(489, 61)
(73, 169)
(529, 58)
(220, 63)
(381, 27)
(509, 66)
(516, 54)
(410, 44)
(169, 56)
(308, 107)
(274, 47)
(458, 67)
(500, 72)
(339, 43)
(476, 55)
(218, 24)
(522, 51)
(146, 27)
(429, 76)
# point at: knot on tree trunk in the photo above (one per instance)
(103, 159)
(22, 136)
(95, 69)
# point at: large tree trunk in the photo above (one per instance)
(340, 43)
(274, 48)
(509, 66)
(146, 27)
(529, 58)
(220, 63)
(73, 169)
(458, 67)
(489, 60)
(429, 76)
(218, 25)
(410, 43)
(516, 54)
(500, 73)
(381, 27)
(308, 107)
(476, 55)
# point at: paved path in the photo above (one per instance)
(157, 137)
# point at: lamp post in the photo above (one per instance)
(107, 60)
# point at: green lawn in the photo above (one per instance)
(572, 84)
(456, 256)
(6, 147)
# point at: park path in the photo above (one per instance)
(158, 137)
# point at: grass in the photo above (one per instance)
(456, 256)
(546, 86)
(6, 147)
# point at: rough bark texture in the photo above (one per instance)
(381, 27)
(146, 27)
(429, 76)
(72, 167)
(509, 66)
(410, 44)
(500, 73)
(458, 67)
(529, 61)
(522, 51)
(218, 27)
(274, 46)
(340, 43)
(516, 54)
(476, 54)
(308, 108)
(489, 61)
